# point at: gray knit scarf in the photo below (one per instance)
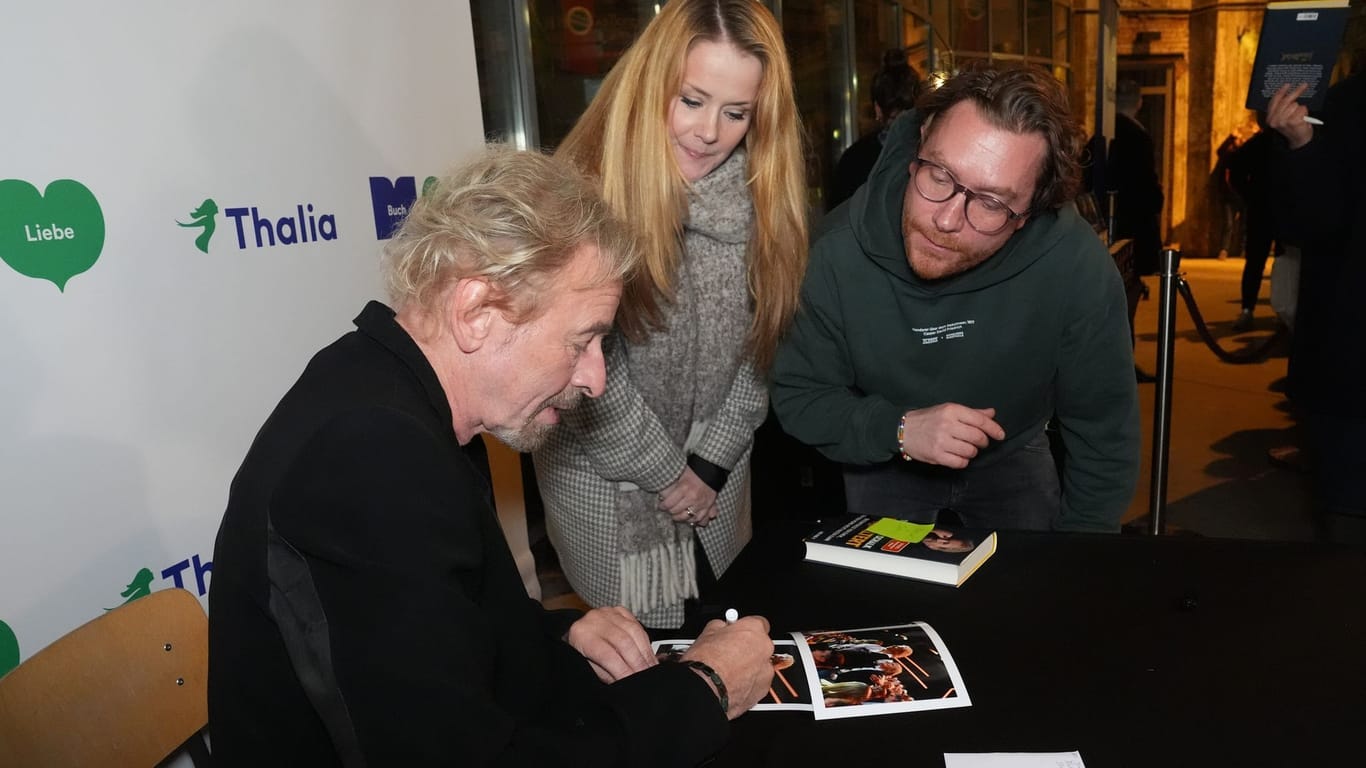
(684, 372)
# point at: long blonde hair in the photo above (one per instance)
(623, 137)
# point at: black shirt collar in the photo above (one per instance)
(380, 323)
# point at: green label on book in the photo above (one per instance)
(901, 530)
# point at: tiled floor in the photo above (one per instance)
(1225, 419)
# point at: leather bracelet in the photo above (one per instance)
(715, 680)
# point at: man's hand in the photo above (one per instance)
(689, 494)
(741, 653)
(1286, 115)
(613, 642)
(949, 434)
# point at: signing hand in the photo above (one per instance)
(1286, 115)
(689, 500)
(741, 653)
(613, 642)
(949, 434)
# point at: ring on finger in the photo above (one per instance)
(689, 512)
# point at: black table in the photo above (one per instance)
(1134, 650)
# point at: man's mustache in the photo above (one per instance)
(567, 400)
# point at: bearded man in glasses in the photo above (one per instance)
(957, 304)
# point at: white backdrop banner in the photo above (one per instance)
(193, 197)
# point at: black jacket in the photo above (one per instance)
(366, 609)
(1322, 196)
(1131, 169)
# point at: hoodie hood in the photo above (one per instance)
(874, 215)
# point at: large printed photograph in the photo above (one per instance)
(855, 673)
(880, 670)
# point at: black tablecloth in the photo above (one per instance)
(1135, 650)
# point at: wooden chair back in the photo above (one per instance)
(126, 689)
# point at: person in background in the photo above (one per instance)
(695, 137)
(366, 609)
(895, 89)
(1131, 170)
(956, 305)
(1322, 173)
(1224, 201)
(1250, 175)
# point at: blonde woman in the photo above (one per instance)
(695, 137)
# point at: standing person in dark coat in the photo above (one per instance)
(366, 609)
(1324, 212)
(895, 89)
(1224, 200)
(1131, 170)
(1250, 174)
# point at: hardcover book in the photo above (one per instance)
(856, 672)
(940, 554)
(1299, 43)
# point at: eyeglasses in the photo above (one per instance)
(984, 213)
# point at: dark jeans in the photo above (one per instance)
(1019, 491)
(1259, 237)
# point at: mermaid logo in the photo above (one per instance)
(141, 585)
(203, 216)
(9, 649)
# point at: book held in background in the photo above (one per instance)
(941, 554)
(1299, 43)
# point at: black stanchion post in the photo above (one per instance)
(1162, 408)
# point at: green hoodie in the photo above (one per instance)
(1037, 331)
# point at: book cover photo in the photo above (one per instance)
(1299, 43)
(925, 551)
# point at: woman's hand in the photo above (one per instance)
(689, 500)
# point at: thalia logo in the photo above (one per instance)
(391, 201)
(143, 581)
(287, 230)
(53, 236)
(263, 230)
(203, 216)
(139, 587)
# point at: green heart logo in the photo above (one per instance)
(9, 649)
(53, 236)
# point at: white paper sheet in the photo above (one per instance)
(1013, 760)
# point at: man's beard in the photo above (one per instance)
(532, 434)
(932, 268)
